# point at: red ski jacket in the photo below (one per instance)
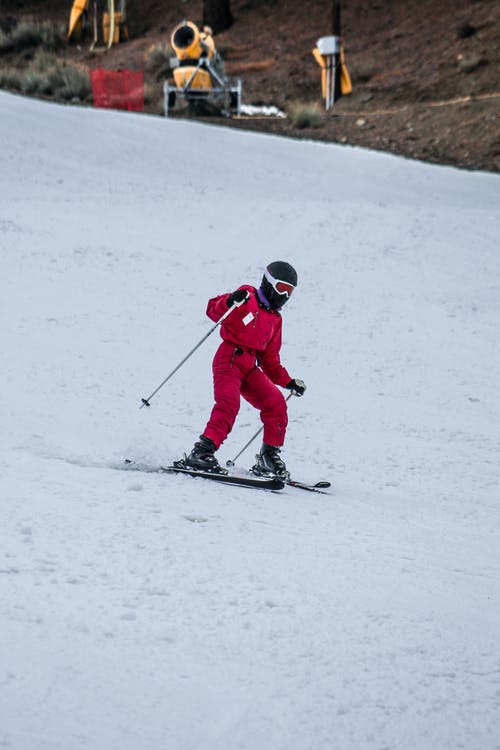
(255, 329)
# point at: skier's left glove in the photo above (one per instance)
(298, 387)
(239, 297)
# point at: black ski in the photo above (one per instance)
(260, 483)
(251, 480)
(266, 483)
(318, 487)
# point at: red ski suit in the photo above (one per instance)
(247, 363)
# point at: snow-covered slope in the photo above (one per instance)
(153, 612)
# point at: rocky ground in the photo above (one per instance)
(426, 75)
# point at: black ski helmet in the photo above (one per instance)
(278, 283)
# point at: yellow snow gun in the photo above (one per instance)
(329, 54)
(335, 79)
(198, 71)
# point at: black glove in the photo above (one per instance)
(237, 297)
(298, 387)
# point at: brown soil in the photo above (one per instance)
(426, 74)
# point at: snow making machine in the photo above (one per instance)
(109, 23)
(198, 71)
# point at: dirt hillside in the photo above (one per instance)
(426, 75)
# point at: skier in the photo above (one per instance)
(247, 363)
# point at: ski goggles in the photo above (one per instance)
(281, 287)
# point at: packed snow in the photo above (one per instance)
(141, 611)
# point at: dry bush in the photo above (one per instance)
(157, 61)
(10, 79)
(46, 75)
(31, 34)
(61, 80)
(70, 83)
(5, 43)
(306, 115)
(44, 60)
(31, 82)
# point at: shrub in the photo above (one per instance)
(74, 83)
(306, 116)
(65, 82)
(44, 60)
(31, 82)
(10, 79)
(157, 61)
(6, 44)
(46, 76)
(30, 34)
(7, 23)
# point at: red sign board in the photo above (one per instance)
(118, 89)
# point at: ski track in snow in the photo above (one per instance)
(148, 611)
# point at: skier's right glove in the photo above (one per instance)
(240, 296)
(297, 387)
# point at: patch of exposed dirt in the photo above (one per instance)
(425, 74)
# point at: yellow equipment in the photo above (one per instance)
(199, 73)
(113, 23)
(76, 18)
(114, 29)
(335, 79)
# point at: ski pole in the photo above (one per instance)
(232, 463)
(145, 401)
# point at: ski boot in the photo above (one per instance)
(269, 463)
(202, 457)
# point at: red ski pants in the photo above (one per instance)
(236, 373)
